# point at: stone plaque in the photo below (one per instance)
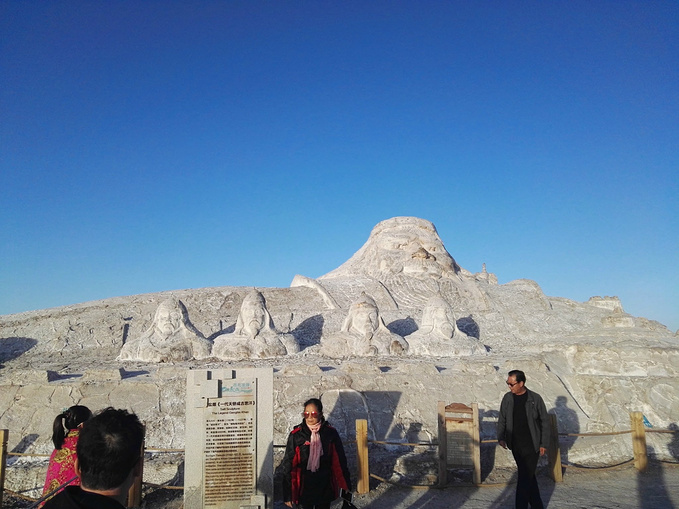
(459, 445)
(229, 458)
(229, 439)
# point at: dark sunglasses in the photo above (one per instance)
(512, 385)
(312, 414)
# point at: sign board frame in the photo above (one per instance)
(459, 441)
(229, 439)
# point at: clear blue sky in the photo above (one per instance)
(160, 145)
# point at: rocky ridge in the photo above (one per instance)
(592, 362)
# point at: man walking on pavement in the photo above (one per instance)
(523, 426)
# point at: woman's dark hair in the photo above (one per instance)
(68, 420)
(315, 402)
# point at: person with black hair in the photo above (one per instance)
(314, 467)
(523, 427)
(65, 433)
(108, 459)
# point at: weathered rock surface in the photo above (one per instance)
(591, 362)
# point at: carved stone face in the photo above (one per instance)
(415, 251)
(253, 315)
(442, 325)
(364, 319)
(422, 262)
(401, 245)
(168, 318)
(438, 318)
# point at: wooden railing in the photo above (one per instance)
(638, 432)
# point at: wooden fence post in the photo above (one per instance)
(476, 444)
(134, 494)
(4, 437)
(639, 441)
(363, 485)
(443, 443)
(554, 451)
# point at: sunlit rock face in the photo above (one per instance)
(610, 303)
(384, 337)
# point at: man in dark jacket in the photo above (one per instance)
(523, 426)
(109, 458)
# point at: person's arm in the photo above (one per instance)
(502, 425)
(545, 431)
(286, 469)
(339, 464)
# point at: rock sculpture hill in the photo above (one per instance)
(592, 362)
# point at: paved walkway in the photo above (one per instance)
(622, 488)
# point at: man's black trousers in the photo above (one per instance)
(527, 485)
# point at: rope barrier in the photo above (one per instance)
(605, 467)
(19, 495)
(163, 486)
(405, 444)
(414, 487)
(385, 442)
(36, 455)
(610, 433)
(52, 493)
(434, 486)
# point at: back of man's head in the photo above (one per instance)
(108, 448)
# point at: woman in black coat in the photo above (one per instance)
(314, 467)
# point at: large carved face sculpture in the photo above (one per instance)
(438, 318)
(168, 318)
(410, 249)
(363, 317)
(253, 314)
(422, 262)
(400, 246)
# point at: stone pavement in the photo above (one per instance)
(621, 488)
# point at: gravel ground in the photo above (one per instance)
(621, 488)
